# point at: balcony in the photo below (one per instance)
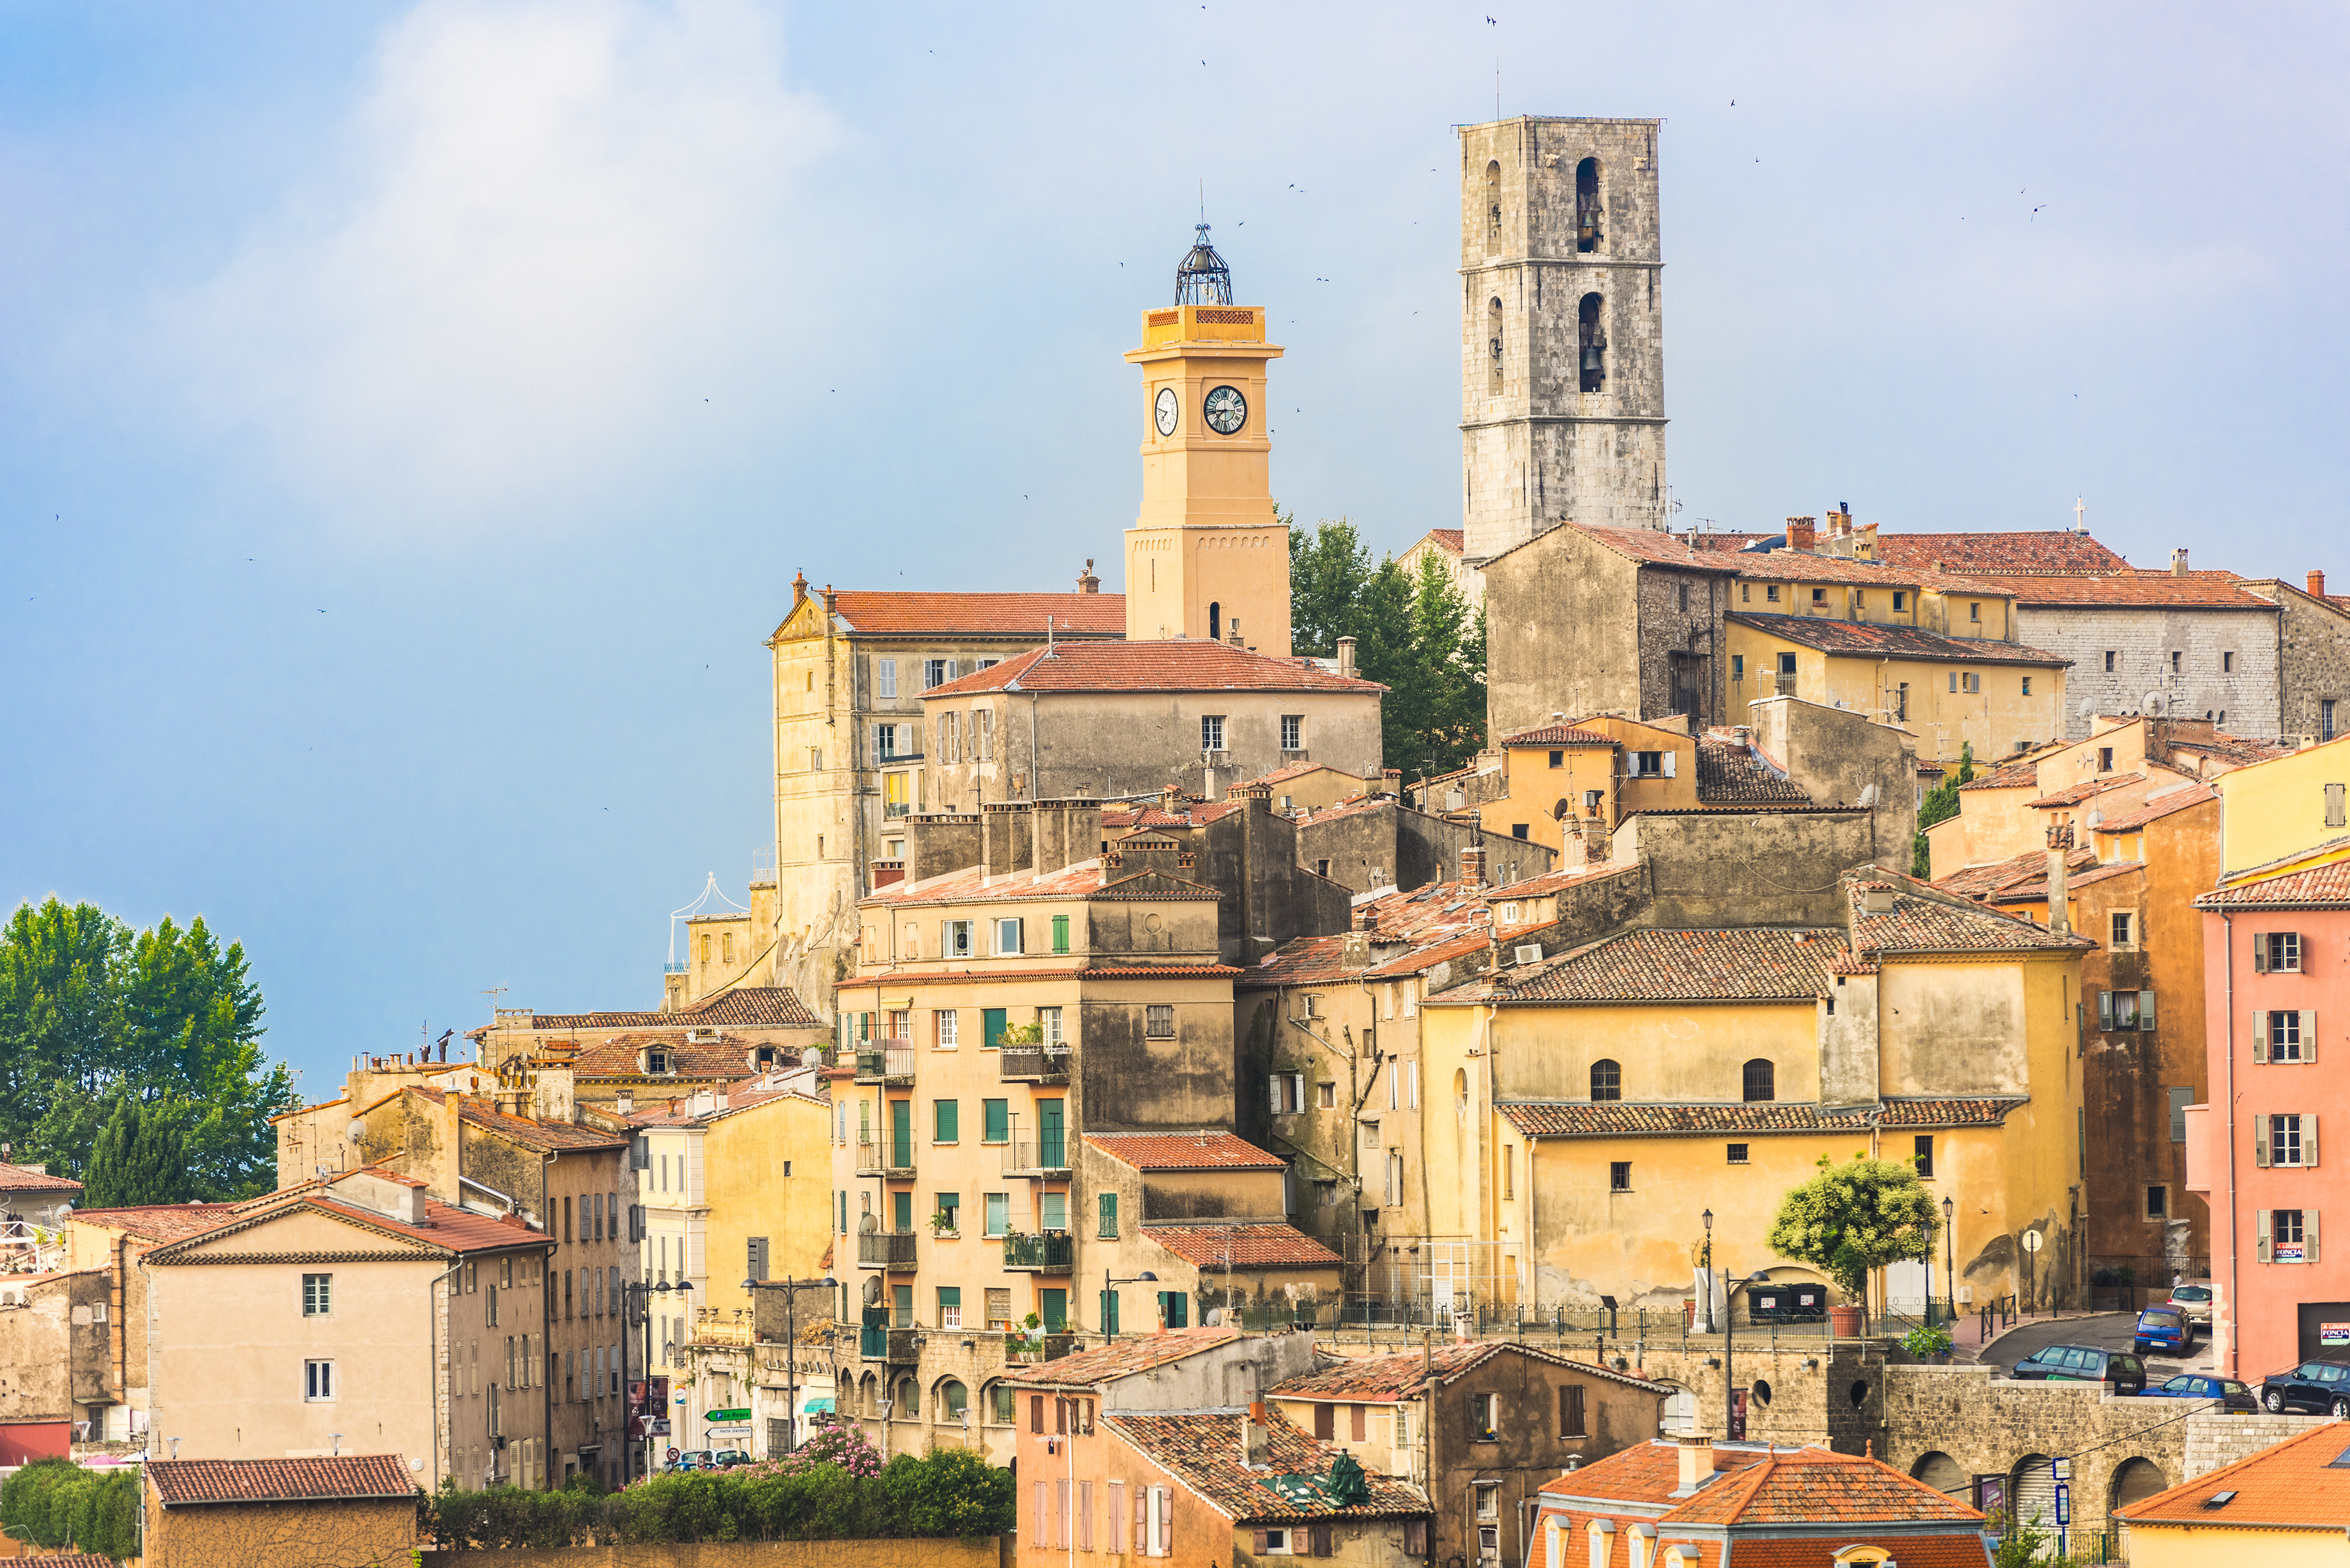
(892, 1345)
(885, 1249)
(1049, 1159)
(1030, 1352)
(1033, 1063)
(1052, 1253)
(885, 1065)
(894, 1162)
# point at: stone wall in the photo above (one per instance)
(2142, 640)
(1389, 844)
(2314, 664)
(987, 1551)
(2215, 1440)
(1746, 869)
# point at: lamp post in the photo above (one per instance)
(1949, 1259)
(1144, 1278)
(1705, 1267)
(637, 1299)
(1729, 1316)
(790, 1289)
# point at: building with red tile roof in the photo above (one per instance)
(2290, 1500)
(1207, 1149)
(2019, 551)
(287, 1512)
(1694, 1502)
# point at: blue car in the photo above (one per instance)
(2229, 1394)
(2164, 1328)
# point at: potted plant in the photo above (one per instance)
(943, 1223)
(1851, 1220)
(1928, 1342)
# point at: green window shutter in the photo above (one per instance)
(901, 1132)
(948, 1119)
(1110, 1311)
(991, 1028)
(901, 1212)
(1053, 1306)
(1109, 1215)
(995, 1120)
(1060, 933)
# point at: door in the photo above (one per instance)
(1050, 1145)
(901, 1134)
(991, 1028)
(1905, 1288)
(1053, 1306)
(2032, 1490)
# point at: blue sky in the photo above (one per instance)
(411, 416)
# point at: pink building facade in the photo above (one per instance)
(2276, 952)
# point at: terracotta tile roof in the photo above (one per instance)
(2319, 887)
(1642, 1477)
(309, 1110)
(1452, 541)
(615, 1056)
(1558, 736)
(1298, 770)
(2303, 1482)
(1204, 1151)
(2086, 789)
(445, 1229)
(1922, 925)
(1742, 964)
(2233, 749)
(1554, 881)
(1650, 546)
(1631, 1119)
(529, 1131)
(2008, 775)
(2039, 550)
(744, 1007)
(1711, 539)
(1815, 1486)
(2036, 887)
(346, 1477)
(1087, 879)
(738, 1101)
(1797, 567)
(73, 1560)
(895, 613)
(1731, 773)
(1980, 881)
(1246, 1246)
(1872, 641)
(1402, 1376)
(2170, 802)
(159, 1222)
(1123, 1357)
(2197, 590)
(1204, 1451)
(1186, 665)
(1411, 932)
(18, 1179)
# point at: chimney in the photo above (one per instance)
(2060, 849)
(625, 1102)
(1367, 919)
(1347, 658)
(1086, 582)
(1235, 636)
(2316, 584)
(2178, 563)
(799, 591)
(1255, 1443)
(1392, 779)
(1697, 1462)
(1799, 534)
(1472, 866)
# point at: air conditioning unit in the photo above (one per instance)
(1527, 952)
(12, 1297)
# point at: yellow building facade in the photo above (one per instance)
(2287, 812)
(1604, 1100)
(1585, 776)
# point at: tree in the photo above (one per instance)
(1940, 805)
(92, 1012)
(1854, 1218)
(139, 1158)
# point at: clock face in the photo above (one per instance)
(1165, 409)
(1225, 408)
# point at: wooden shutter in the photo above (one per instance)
(2309, 1232)
(2260, 952)
(2309, 1035)
(1260, 1544)
(1114, 1516)
(1358, 1426)
(1320, 1535)
(2261, 1141)
(2145, 1010)
(2259, 1035)
(1571, 1411)
(2260, 1233)
(2309, 1139)
(1043, 1516)
(1036, 1414)
(1325, 1421)
(2104, 1010)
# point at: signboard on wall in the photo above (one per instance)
(2333, 1335)
(1738, 1415)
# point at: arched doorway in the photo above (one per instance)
(1941, 1472)
(2031, 1492)
(1679, 1417)
(2134, 1480)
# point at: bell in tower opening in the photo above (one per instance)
(1202, 278)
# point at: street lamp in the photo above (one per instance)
(636, 1297)
(1950, 1258)
(1729, 1318)
(790, 1289)
(1705, 1263)
(1144, 1278)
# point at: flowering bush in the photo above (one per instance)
(833, 1443)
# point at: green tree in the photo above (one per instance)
(1854, 1217)
(1328, 568)
(1940, 805)
(140, 1157)
(92, 1012)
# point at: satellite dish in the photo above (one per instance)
(2088, 709)
(2154, 703)
(1868, 797)
(868, 1225)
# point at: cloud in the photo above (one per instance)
(548, 233)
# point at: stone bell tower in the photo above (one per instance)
(1562, 329)
(1207, 557)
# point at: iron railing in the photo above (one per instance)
(885, 1063)
(1036, 1158)
(896, 1345)
(1045, 1064)
(879, 1157)
(1052, 1253)
(885, 1249)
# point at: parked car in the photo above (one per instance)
(2195, 1301)
(2084, 1364)
(2229, 1394)
(2321, 1386)
(691, 1460)
(727, 1459)
(2163, 1328)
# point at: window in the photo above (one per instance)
(1048, 1025)
(2122, 928)
(2284, 1035)
(1620, 1176)
(1590, 208)
(1060, 933)
(885, 677)
(2277, 952)
(1212, 732)
(1819, 595)
(1007, 936)
(1787, 666)
(1771, 593)
(1902, 701)
(2326, 733)
(318, 1380)
(1921, 1155)
(1106, 1220)
(991, 1028)
(1900, 603)
(1591, 343)
(1571, 1413)
(1974, 612)
(1558, 758)
(1683, 588)
(2227, 664)
(995, 1121)
(1293, 731)
(987, 731)
(1606, 1080)
(2105, 759)
(954, 939)
(2292, 1141)
(885, 743)
(936, 672)
(1652, 764)
(1761, 1080)
(1971, 681)
(952, 1396)
(2286, 1235)
(2121, 1011)
(1158, 1021)
(998, 1213)
(2180, 1100)
(948, 1027)
(2109, 662)
(1485, 1425)
(1493, 334)
(1509, 1172)
(946, 1121)
(2157, 1202)
(2178, 659)
(1521, 829)
(896, 795)
(1394, 1177)
(2027, 686)
(1737, 1154)
(318, 1295)
(2334, 802)
(1738, 660)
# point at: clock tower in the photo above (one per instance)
(1207, 557)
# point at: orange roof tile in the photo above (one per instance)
(1451, 540)
(2303, 1482)
(1205, 1150)
(2197, 590)
(343, 1478)
(1244, 1246)
(2035, 550)
(2085, 790)
(1123, 1357)
(1871, 640)
(2156, 808)
(1183, 664)
(1558, 736)
(1404, 1375)
(898, 613)
(159, 1222)
(18, 1179)
(1648, 545)
(1205, 1452)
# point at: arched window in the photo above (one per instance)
(1680, 1416)
(868, 1396)
(1941, 1472)
(1493, 206)
(999, 1404)
(1591, 343)
(1762, 1080)
(1588, 218)
(2136, 1480)
(1606, 1080)
(1493, 349)
(1215, 621)
(1461, 1090)
(909, 1407)
(949, 1402)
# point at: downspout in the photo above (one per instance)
(2235, 1216)
(1427, 1433)
(547, 1324)
(1037, 767)
(442, 1380)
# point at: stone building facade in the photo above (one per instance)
(1561, 328)
(2313, 666)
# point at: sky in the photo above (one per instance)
(413, 416)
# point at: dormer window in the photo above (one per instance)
(656, 1060)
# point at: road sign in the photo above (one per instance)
(726, 1415)
(2061, 1468)
(2063, 1504)
(2031, 1240)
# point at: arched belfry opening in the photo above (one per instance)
(1493, 348)
(1215, 621)
(1590, 220)
(1201, 277)
(1591, 343)
(1493, 206)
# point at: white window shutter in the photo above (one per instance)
(1273, 1082)
(2309, 1232)
(2308, 1036)
(2259, 1035)
(2261, 1141)
(1669, 763)
(2260, 952)
(2309, 1140)
(2145, 1010)
(2260, 1233)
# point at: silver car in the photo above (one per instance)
(2194, 1302)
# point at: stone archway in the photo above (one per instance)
(1941, 1472)
(2134, 1480)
